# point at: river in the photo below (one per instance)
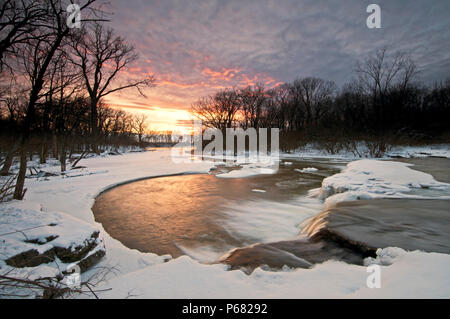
(206, 217)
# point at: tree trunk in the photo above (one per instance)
(42, 156)
(31, 111)
(18, 192)
(62, 157)
(54, 146)
(44, 150)
(8, 161)
(94, 124)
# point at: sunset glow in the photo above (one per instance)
(167, 104)
(193, 50)
(159, 118)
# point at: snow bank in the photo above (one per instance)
(311, 151)
(438, 150)
(36, 244)
(385, 257)
(366, 179)
(23, 230)
(412, 275)
(250, 170)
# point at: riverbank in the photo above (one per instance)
(146, 275)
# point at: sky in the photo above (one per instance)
(194, 48)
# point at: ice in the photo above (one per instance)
(258, 190)
(366, 179)
(250, 170)
(307, 170)
(385, 257)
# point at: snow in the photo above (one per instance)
(412, 275)
(367, 179)
(385, 257)
(248, 170)
(437, 150)
(245, 164)
(258, 190)
(311, 151)
(23, 226)
(145, 275)
(306, 170)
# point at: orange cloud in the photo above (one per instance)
(176, 89)
(179, 85)
(224, 75)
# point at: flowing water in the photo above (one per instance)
(205, 216)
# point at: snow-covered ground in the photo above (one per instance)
(310, 151)
(145, 275)
(59, 241)
(367, 179)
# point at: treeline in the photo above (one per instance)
(384, 102)
(66, 128)
(55, 74)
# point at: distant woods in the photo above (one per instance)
(54, 80)
(384, 104)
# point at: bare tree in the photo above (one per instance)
(19, 285)
(105, 114)
(252, 101)
(219, 110)
(313, 94)
(18, 21)
(379, 73)
(102, 56)
(140, 126)
(6, 188)
(63, 102)
(37, 56)
(12, 104)
(283, 97)
(409, 73)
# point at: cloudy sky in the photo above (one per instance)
(198, 46)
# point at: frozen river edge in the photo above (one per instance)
(150, 276)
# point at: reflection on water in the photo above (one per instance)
(205, 216)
